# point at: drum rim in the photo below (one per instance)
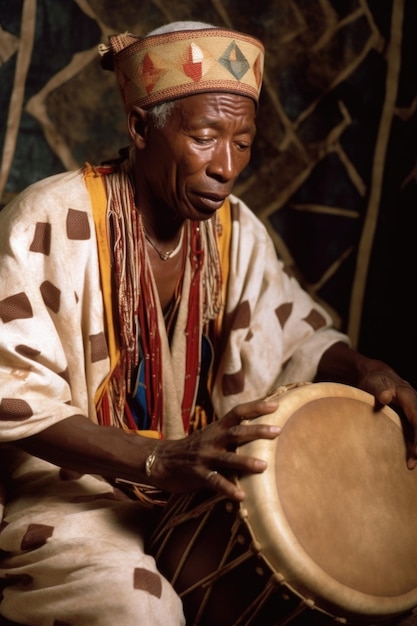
(289, 560)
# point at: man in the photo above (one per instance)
(144, 313)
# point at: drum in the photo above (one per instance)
(328, 533)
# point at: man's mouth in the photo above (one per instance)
(210, 201)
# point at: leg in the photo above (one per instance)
(73, 554)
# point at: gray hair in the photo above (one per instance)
(160, 113)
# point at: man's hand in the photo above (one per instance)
(208, 458)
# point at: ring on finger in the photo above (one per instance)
(211, 474)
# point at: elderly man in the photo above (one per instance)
(144, 313)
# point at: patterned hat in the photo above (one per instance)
(163, 67)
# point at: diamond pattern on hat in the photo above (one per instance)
(163, 68)
(151, 73)
(197, 62)
(234, 61)
(258, 69)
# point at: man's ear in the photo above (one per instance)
(137, 125)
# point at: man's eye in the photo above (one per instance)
(202, 140)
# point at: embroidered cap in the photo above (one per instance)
(163, 67)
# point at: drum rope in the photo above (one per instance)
(180, 513)
(253, 609)
(190, 546)
(218, 573)
(222, 569)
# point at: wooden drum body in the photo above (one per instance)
(328, 533)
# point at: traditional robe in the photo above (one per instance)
(59, 350)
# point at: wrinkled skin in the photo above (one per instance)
(181, 465)
(214, 449)
(390, 389)
(342, 364)
(186, 170)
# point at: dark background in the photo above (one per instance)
(333, 172)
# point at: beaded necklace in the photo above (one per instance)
(165, 256)
(136, 301)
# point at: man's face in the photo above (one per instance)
(192, 163)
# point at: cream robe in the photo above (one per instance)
(54, 356)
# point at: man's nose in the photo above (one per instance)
(223, 164)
